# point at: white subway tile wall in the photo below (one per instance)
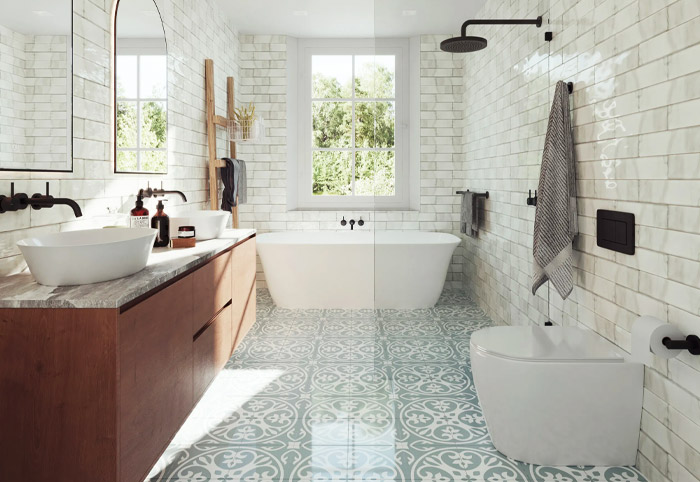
(635, 65)
(194, 31)
(263, 65)
(34, 92)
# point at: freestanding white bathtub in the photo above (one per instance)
(356, 269)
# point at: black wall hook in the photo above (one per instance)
(531, 201)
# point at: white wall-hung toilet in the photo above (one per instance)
(558, 395)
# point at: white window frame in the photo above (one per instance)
(138, 48)
(400, 49)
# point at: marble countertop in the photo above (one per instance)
(164, 264)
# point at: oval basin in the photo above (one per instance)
(207, 224)
(88, 256)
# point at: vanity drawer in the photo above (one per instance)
(211, 351)
(243, 266)
(211, 289)
(248, 318)
(155, 376)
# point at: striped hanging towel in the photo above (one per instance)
(556, 222)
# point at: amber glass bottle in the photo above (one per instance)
(161, 222)
(139, 215)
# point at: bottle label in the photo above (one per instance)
(139, 222)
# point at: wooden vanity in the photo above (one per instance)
(97, 394)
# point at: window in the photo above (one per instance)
(141, 117)
(353, 121)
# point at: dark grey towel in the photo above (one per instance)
(469, 216)
(556, 222)
(233, 176)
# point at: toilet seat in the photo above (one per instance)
(562, 344)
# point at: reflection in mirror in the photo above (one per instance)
(35, 85)
(141, 88)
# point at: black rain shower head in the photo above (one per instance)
(464, 44)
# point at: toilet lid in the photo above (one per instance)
(550, 343)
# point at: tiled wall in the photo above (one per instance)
(636, 110)
(47, 101)
(194, 31)
(34, 93)
(12, 93)
(264, 82)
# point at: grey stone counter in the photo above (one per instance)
(164, 264)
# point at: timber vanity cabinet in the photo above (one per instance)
(97, 394)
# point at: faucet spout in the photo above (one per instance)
(39, 202)
(69, 202)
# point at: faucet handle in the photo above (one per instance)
(343, 222)
(360, 222)
(47, 188)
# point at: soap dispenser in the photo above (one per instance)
(161, 222)
(139, 215)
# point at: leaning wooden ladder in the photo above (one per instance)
(214, 120)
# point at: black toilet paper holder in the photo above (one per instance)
(691, 343)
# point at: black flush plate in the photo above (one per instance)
(615, 231)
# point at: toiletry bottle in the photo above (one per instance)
(139, 215)
(161, 222)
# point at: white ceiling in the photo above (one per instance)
(45, 17)
(350, 18)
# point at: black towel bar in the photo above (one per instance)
(478, 194)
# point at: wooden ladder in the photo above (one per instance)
(213, 121)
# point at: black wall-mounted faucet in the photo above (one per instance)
(15, 202)
(343, 222)
(150, 192)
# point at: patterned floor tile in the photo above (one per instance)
(352, 395)
(420, 350)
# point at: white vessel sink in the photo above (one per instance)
(207, 224)
(89, 256)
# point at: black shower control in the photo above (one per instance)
(615, 231)
(343, 222)
(360, 222)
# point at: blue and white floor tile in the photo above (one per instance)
(352, 395)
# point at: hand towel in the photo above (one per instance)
(242, 190)
(235, 182)
(556, 222)
(469, 217)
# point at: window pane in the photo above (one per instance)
(332, 172)
(153, 76)
(126, 124)
(126, 76)
(375, 173)
(332, 124)
(374, 124)
(154, 125)
(331, 76)
(126, 161)
(153, 161)
(375, 76)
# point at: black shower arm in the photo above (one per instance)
(537, 21)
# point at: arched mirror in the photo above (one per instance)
(141, 89)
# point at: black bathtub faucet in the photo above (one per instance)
(343, 222)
